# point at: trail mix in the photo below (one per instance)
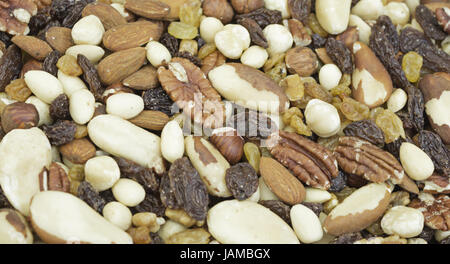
(225, 121)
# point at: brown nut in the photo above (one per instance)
(219, 9)
(229, 143)
(109, 16)
(13, 14)
(35, 47)
(60, 38)
(54, 179)
(299, 33)
(348, 37)
(31, 65)
(78, 151)
(149, 119)
(152, 9)
(246, 6)
(19, 115)
(443, 17)
(301, 60)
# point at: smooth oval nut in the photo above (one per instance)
(128, 192)
(125, 105)
(102, 172)
(232, 40)
(70, 84)
(88, 30)
(117, 214)
(44, 85)
(333, 15)
(368, 9)
(170, 228)
(364, 30)
(14, 228)
(172, 141)
(59, 217)
(255, 57)
(157, 54)
(397, 12)
(112, 134)
(314, 195)
(329, 76)
(403, 221)
(306, 224)
(209, 26)
(245, 222)
(397, 100)
(82, 106)
(92, 52)
(279, 38)
(322, 117)
(417, 164)
(264, 192)
(23, 155)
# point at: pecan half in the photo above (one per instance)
(436, 184)
(15, 15)
(188, 86)
(436, 210)
(359, 157)
(54, 179)
(211, 61)
(312, 163)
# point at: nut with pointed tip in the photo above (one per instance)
(229, 143)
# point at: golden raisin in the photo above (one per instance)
(391, 125)
(252, 154)
(182, 31)
(354, 110)
(189, 45)
(273, 60)
(278, 72)
(81, 131)
(315, 26)
(206, 49)
(140, 235)
(191, 12)
(76, 172)
(18, 90)
(412, 64)
(68, 65)
(293, 87)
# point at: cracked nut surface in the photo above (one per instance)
(435, 209)
(15, 15)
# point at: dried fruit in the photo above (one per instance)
(74, 13)
(317, 208)
(317, 41)
(10, 65)
(338, 183)
(391, 125)
(354, 110)
(61, 132)
(429, 23)
(18, 90)
(143, 175)
(415, 108)
(88, 194)
(294, 118)
(256, 33)
(315, 26)
(249, 123)
(49, 64)
(412, 64)
(206, 49)
(315, 90)
(190, 12)
(90, 75)
(340, 54)
(59, 108)
(187, 55)
(151, 203)
(300, 9)
(68, 65)
(279, 208)
(347, 238)
(241, 180)
(432, 144)
(158, 100)
(367, 130)
(182, 31)
(252, 154)
(167, 194)
(170, 42)
(263, 16)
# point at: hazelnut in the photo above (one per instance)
(219, 9)
(19, 115)
(246, 6)
(301, 60)
(229, 143)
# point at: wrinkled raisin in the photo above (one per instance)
(190, 57)
(429, 23)
(367, 130)
(317, 41)
(170, 42)
(74, 13)
(412, 64)
(340, 55)
(415, 107)
(427, 234)
(90, 75)
(167, 194)
(279, 208)
(108, 196)
(263, 16)
(143, 175)
(5, 38)
(10, 65)
(241, 180)
(347, 238)
(18, 90)
(39, 21)
(338, 183)
(49, 64)
(391, 125)
(182, 31)
(317, 208)
(256, 33)
(59, 108)
(158, 100)
(354, 110)
(300, 9)
(151, 203)
(249, 123)
(88, 194)
(355, 181)
(432, 144)
(61, 132)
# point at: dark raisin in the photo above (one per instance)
(52, 23)
(167, 194)
(90, 75)
(279, 208)
(338, 183)
(263, 16)
(348, 238)
(256, 33)
(250, 124)
(88, 194)
(317, 41)
(151, 203)
(190, 57)
(108, 196)
(354, 2)
(143, 175)
(394, 147)
(241, 180)
(59, 9)
(74, 14)
(158, 100)
(429, 23)
(427, 234)
(170, 42)
(61, 132)
(189, 189)
(59, 108)
(300, 9)
(317, 208)
(432, 144)
(355, 181)
(5, 38)
(39, 21)
(367, 130)
(200, 42)
(415, 107)
(384, 24)
(340, 54)
(10, 65)
(4, 202)
(49, 64)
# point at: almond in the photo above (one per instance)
(132, 35)
(78, 151)
(174, 8)
(152, 9)
(153, 120)
(60, 38)
(144, 79)
(121, 64)
(281, 182)
(109, 16)
(37, 48)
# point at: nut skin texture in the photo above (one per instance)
(19, 115)
(229, 144)
(403, 221)
(246, 6)
(35, 47)
(301, 60)
(219, 9)
(78, 151)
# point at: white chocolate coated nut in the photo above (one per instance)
(403, 221)
(322, 117)
(118, 215)
(128, 192)
(43, 110)
(364, 30)
(92, 52)
(416, 162)
(368, 9)
(82, 106)
(280, 5)
(333, 15)
(255, 57)
(88, 30)
(70, 84)
(157, 53)
(397, 100)
(329, 76)
(397, 12)
(125, 105)
(314, 195)
(278, 37)
(44, 85)
(14, 228)
(306, 224)
(172, 141)
(102, 172)
(209, 27)
(232, 40)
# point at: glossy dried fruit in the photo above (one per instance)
(59, 108)
(249, 123)
(143, 175)
(39, 21)
(429, 23)
(68, 65)
(367, 130)
(88, 194)
(158, 100)
(432, 144)
(151, 203)
(315, 90)
(354, 110)
(18, 90)
(59, 9)
(391, 125)
(190, 57)
(205, 50)
(263, 16)
(182, 31)
(415, 107)
(340, 55)
(4, 203)
(74, 13)
(252, 155)
(256, 33)
(317, 41)
(90, 75)
(170, 42)
(300, 9)
(338, 183)
(317, 208)
(241, 180)
(61, 132)
(49, 64)
(279, 208)
(167, 194)
(412, 64)
(10, 65)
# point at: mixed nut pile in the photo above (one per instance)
(216, 121)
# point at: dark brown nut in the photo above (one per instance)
(443, 17)
(18, 90)
(301, 60)
(54, 179)
(59, 38)
(435, 209)
(31, 65)
(35, 47)
(78, 151)
(140, 235)
(256, 33)
(144, 79)
(13, 14)
(219, 9)
(229, 143)
(10, 65)
(152, 9)
(312, 163)
(299, 33)
(211, 61)
(109, 16)
(19, 115)
(348, 37)
(359, 157)
(246, 6)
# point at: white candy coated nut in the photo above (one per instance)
(368, 9)
(255, 57)
(280, 5)
(209, 27)
(314, 195)
(92, 52)
(417, 164)
(42, 108)
(306, 224)
(14, 228)
(397, 100)
(232, 40)
(329, 76)
(364, 30)
(128, 192)
(403, 221)
(70, 84)
(44, 85)
(172, 141)
(88, 30)
(333, 15)
(322, 117)
(157, 53)
(397, 12)
(102, 172)
(82, 106)
(118, 215)
(125, 105)
(278, 37)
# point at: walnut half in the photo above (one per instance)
(15, 15)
